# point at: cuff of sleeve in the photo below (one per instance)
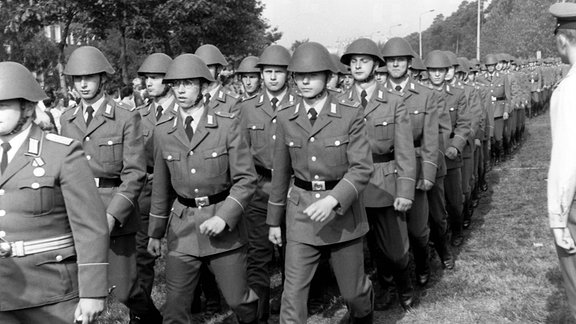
(276, 213)
(157, 226)
(120, 207)
(93, 280)
(458, 142)
(230, 211)
(345, 193)
(405, 188)
(429, 170)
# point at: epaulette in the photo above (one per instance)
(349, 103)
(232, 94)
(224, 114)
(125, 106)
(58, 139)
(337, 90)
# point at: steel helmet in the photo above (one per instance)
(362, 46)
(274, 55)
(382, 69)
(248, 65)
(187, 66)
(451, 57)
(491, 59)
(417, 63)
(397, 46)
(437, 60)
(311, 57)
(155, 63)
(463, 65)
(211, 55)
(17, 82)
(87, 60)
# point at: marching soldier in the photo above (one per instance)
(322, 143)
(111, 136)
(203, 180)
(161, 106)
(390, 192)
(53, 268)
(249, 75)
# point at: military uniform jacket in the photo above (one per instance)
(460, 118)
(423, 105)
(389, 131)
(47, 191)
(259, 125)
(334, 149)
(217, 159)
(474, 106)
(224, 100)
(115, 149)
(488, 109)
(499, 87)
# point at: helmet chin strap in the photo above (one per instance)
(21, 121)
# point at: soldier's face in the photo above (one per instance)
(186, 92)
(348, 81)
(274, 77)
(499, 66)
(87, 85)
(9, 115)
(397, 66)
(362, 67)
(333, 81)
(491, 67)
(381, 77)
(450, 74)
(437, 76)
(310, 84)
(154, 85)
(251, 82)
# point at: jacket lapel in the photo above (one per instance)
(25, 154)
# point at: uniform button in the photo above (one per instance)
(59, 258)
(214, 154)
(274, 121)
(317, 195)
(253, 127)
(88, 157)
(451, 109)
(191, 153)
(365, 120)
(274, 137)
(2, 234)
(384, 123)
(416, 112)
(2, 212)
(35, 185)
(110, 143)
(196, 190)
(193, 171)
(313, 158)
(316, 177)
(2, 192)
(312, 139)
(87, 138)
(337, 143)
(169, 157)
(291, 144)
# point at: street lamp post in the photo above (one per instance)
(420, 29)
(390, 29)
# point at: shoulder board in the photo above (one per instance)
(337, 90)
(224, 114)
(125, 106)
(58, 139)
(286, 105)
(349, 103)
(232, 94)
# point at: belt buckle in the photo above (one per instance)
(318, 185)
(202, 201)
(493, 98)
(97, 181)
(18, 249)
(5, 248)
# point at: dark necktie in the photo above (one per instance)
(90, 115)
(189, 130)
(4, 163)
(207, 99)
(363, 95)
(274, 102)
(398, 88)
(159, 112)
(312, 115)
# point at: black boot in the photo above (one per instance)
(421, 260)
(263, 303)
(405, 289)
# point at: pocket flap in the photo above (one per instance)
(293, 142)
(36, 182)
(337, 141)
(294, 196)
(215, 152)
(171, 156)
(109, 141)
(57, 256)
(255, 126)
(383, 121)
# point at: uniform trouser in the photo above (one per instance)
(183, 274)
(438, 216)
(478, 165)
(454, 198)
(568, 265)
(521, 120)
(511, 129)
(260, 249)
(347, 260)
(418, 230)
(58, 313)
(468, 171)
(498, 128)
(535, 98)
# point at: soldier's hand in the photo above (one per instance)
(321, 209)
(154, 247)
(424, 185)
(275, 235)
(451, 152)
(111, 222)
(478, 142)
(212, 226)
(505, 115)
(564, 239)
(88, 309)
(402, 204)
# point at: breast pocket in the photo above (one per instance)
(216, 161)
(384, 128)
(295, 148)
(110, 149)
(38, 195)
(257, 139)
(417, 116)
(336, 149)
(175, 165)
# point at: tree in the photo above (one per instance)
(297, 43)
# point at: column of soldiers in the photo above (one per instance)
(318, 152)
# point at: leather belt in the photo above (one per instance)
(266, 173)
(417, 143)
(107, 182)
(205, 200)
(381, 158)
(24, 248)
(452, 135)
(150, 169)
(315, 185)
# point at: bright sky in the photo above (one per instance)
(335, 23)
